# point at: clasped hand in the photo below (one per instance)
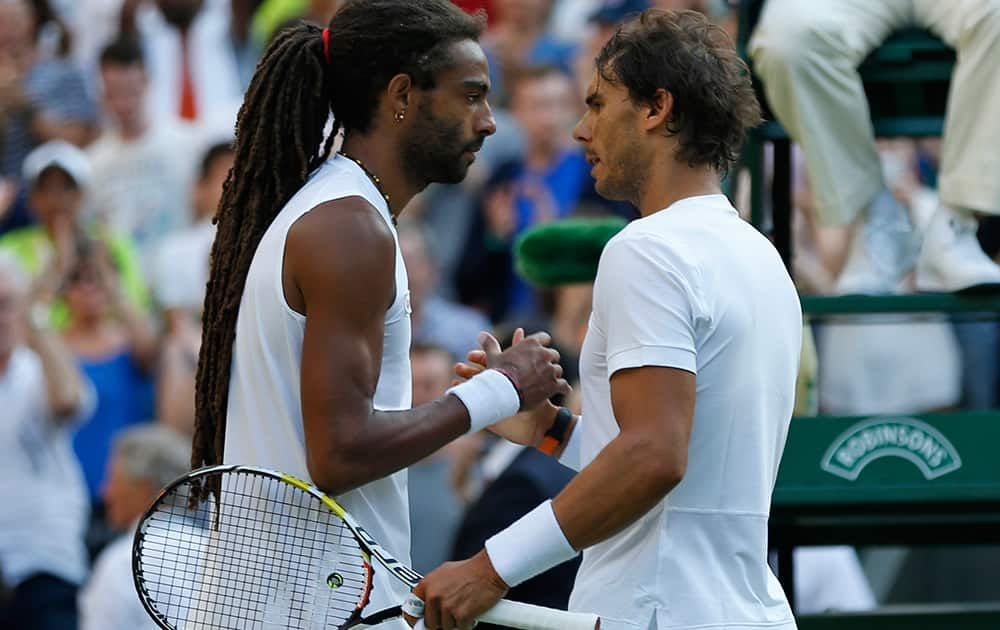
(529, 426)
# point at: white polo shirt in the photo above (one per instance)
(697, 288)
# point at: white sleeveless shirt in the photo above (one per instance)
(264, 415)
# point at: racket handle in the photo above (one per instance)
(531, 617)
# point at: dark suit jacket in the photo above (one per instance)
(529, 480)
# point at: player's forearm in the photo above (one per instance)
(633, 472)
(630, 476)
(385, 443)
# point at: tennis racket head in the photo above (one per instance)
(269, 551)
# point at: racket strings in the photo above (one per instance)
(279, 558)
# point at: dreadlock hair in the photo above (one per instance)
(280, 141)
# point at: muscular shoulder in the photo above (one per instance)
(342, 247)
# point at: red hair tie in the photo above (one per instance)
(326, 45)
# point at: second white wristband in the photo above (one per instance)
(489, 396)
(533, 544)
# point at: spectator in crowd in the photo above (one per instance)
(180, 276)
(144, 459)
(41, 99)
(43, 514)
(519, 38)
(56, 174)
(194, 75)
(138, 167)
(116, 346)
(434, 319)
(807, 55)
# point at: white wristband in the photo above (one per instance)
(489, 396)
(532, 545)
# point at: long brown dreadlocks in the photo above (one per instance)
(280, 141)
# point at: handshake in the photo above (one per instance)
(532, 366)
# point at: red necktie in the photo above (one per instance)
(189, 105)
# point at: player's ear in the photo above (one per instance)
(659, 110)
(399, 94)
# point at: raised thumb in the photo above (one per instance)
(489, 344)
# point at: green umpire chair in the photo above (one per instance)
(818, 499)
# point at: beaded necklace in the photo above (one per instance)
(375, 180)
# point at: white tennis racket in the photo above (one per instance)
(274, 552)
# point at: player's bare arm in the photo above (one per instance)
(654, 407)
(338, 271)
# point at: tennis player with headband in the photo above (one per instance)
(304, 364)
(687, 370)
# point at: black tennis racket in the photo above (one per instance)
(274, 552)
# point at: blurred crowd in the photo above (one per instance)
(116, 123)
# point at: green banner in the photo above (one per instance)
(884, 459)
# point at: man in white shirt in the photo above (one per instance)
(45, 506)
(139, 168)
(191, 61)
(687, 371)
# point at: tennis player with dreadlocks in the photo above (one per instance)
(304, 363)
(687, 370)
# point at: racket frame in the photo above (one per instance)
(506, 612)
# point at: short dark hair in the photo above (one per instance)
(124, 51)
(685, 54)
(212, 154)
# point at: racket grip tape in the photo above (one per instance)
(413, 606)
(531, 617)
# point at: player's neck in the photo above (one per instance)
(674, 181)
(381, 158)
